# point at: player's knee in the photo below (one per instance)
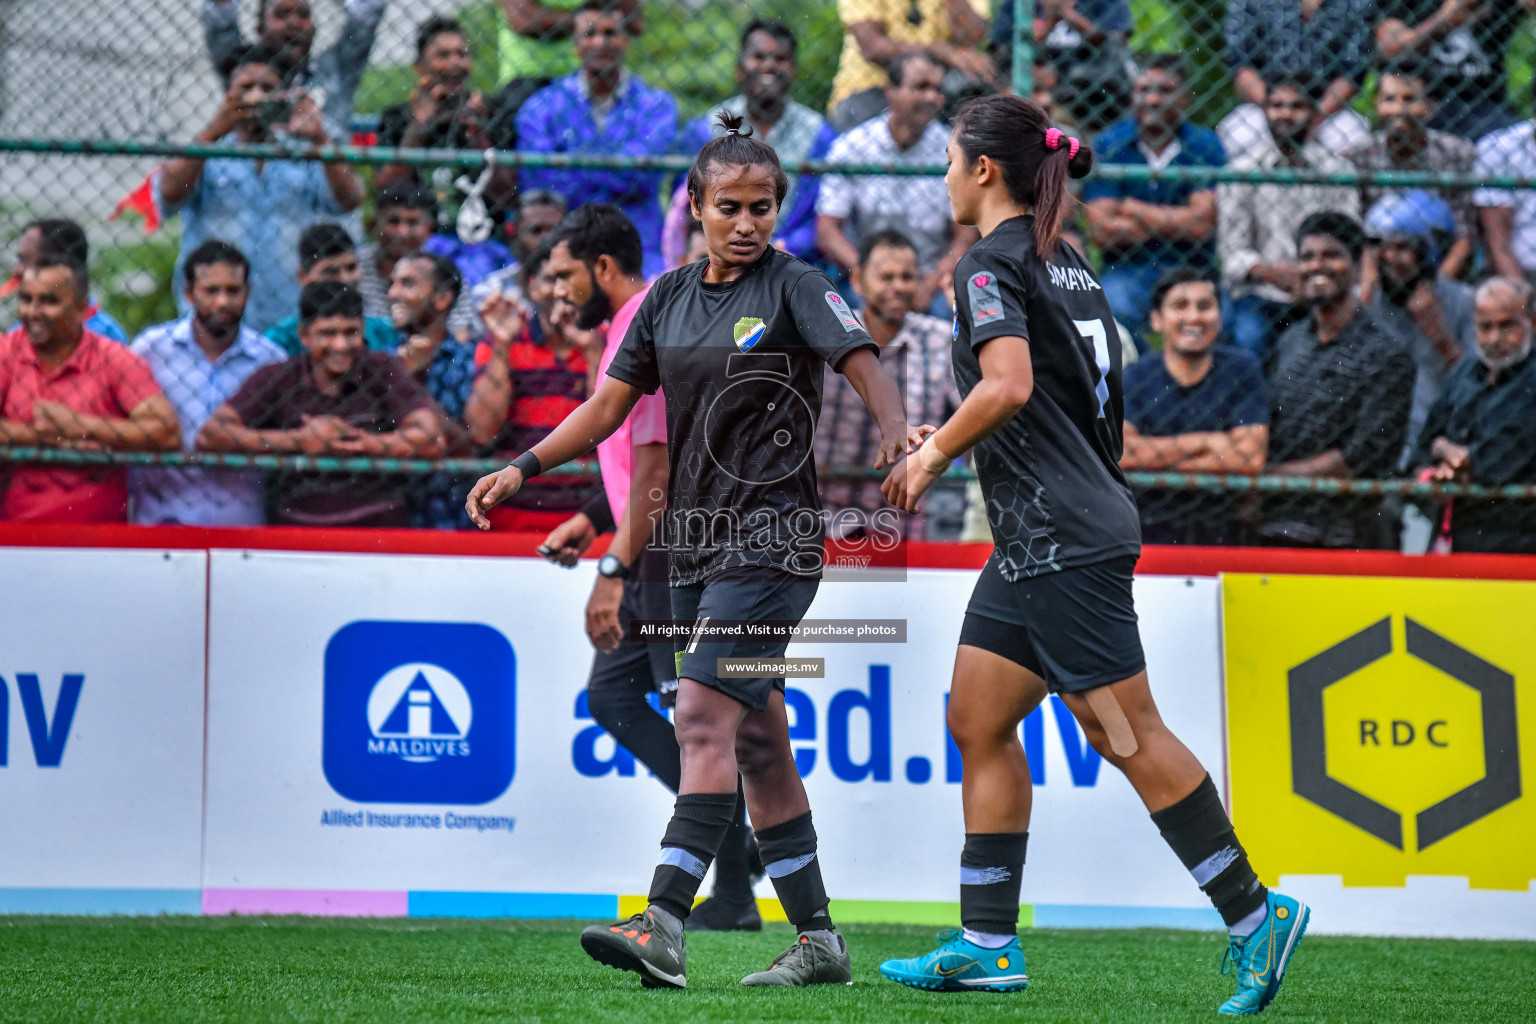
(701, 735)
(973, 730)
(756, 756)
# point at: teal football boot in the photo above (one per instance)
(961, 966)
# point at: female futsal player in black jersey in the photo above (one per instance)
(738, 343)
(1037, 358)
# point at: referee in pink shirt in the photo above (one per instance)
(595, 260)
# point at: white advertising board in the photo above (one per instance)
(321, 781)
(101, 729)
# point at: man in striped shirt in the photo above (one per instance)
(915, 353)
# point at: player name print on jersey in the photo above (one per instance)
(1072, 279)
(986, 297)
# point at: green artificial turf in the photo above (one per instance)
(255, 969)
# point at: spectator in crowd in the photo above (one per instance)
(286, 29)
(1429, 314)
(878, 33)
(200, 361)
(697, 246)
(531, 44)
(425, 289)
(853, 207)
(444, 113)
(327, 253)
(55, 234)
(915, 354)
(1482, 429)
(1198, 408)
(258, 206)
(1401, 142)
(765, 69)
(335, 399)
(404, 217)
(1145, 227)
(1083, 57)
(550, 364)
(538, 211)
(1339, 397)
(603, 108)
(1464, 42)
(1256, 224)
(1269, 41)
(65, 386)
(1509, 215)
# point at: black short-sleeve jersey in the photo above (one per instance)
(741, 364)
(1056, 498)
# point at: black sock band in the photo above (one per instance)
(699, 823)
(1200, 833)
(733, 862)
(991, 872)
(789, 857)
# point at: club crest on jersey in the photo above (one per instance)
(1072, 279)
(986, 298)
(841, 310)
(749, 331)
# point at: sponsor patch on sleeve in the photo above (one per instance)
(986, 298)
(843, 312)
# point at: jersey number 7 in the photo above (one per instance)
(1094, 332)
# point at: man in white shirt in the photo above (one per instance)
(853, 207)
(1256, 224)
(1508, 216)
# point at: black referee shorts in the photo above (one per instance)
(730, 597)
(1076, 629)
(636, 665)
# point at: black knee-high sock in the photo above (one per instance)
(789, 858)
(733, 862)
(991, 872)
(1199, 831)
(623, 711)
(699, 822)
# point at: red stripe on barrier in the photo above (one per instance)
(1155, 561)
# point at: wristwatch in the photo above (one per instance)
(611, 567)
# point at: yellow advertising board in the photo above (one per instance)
(1380, 728)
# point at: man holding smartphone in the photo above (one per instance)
(261, 207)
(595, 260)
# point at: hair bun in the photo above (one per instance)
(1082, 163)
(734, 124)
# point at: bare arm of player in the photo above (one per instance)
(577, 434)
(861, 367)
(1007, 382)
(647, 498)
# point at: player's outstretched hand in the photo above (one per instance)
(490, 491)
(906, 483)
(896, 442)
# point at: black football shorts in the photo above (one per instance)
(1076, 628)
(761, 596)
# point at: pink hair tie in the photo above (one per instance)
(1053, 137)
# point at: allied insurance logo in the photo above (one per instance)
(419, 712)
(1377, 727)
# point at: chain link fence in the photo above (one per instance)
(1263, 168)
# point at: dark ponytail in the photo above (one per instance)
(736, 148)
(1011, 132)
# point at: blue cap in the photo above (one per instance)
(1418, 214)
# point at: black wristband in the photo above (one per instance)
(529, 464)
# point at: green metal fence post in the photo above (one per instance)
(1023, 48)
